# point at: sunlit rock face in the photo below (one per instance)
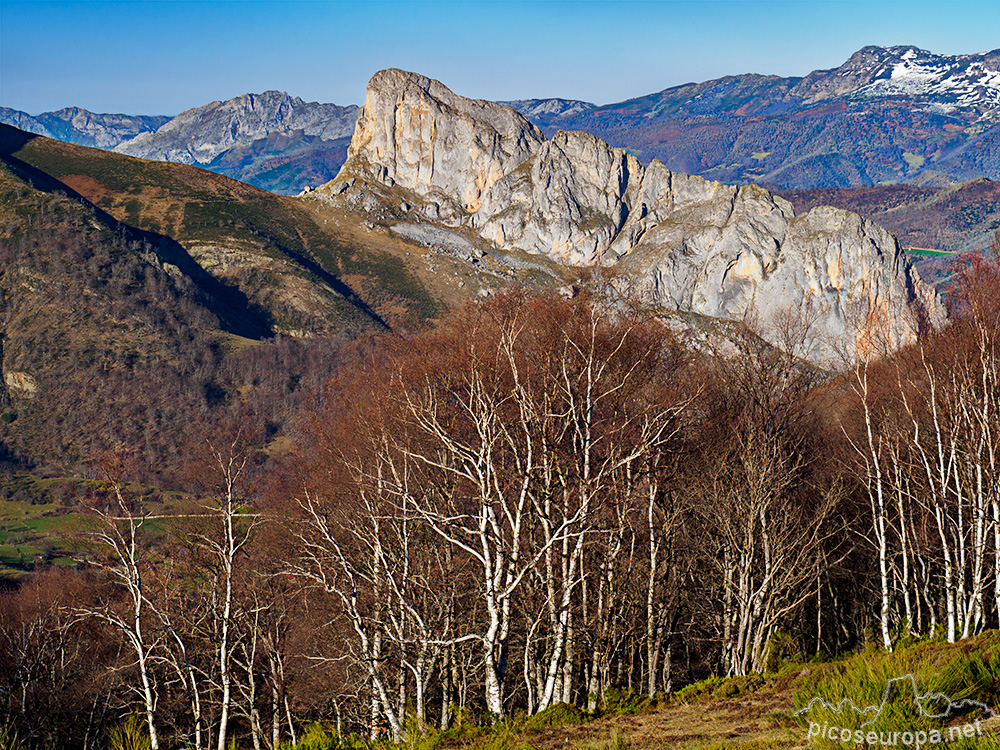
(691, 244)
(415, 133)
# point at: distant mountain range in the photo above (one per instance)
(75, 125)
(200, 135)
(896, 114)
(887, 115)
(272, 140)
(548, 110)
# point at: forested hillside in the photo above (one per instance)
(141, 297)
(541, 499)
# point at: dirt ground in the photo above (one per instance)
(760, 720)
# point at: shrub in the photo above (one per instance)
(131, 734)
(624, 702)
(781, 648)
(557, 715)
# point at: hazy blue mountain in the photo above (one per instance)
(80, 126)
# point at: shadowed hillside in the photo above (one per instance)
(129, 287)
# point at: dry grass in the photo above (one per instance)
(758, 720)
(757, 713)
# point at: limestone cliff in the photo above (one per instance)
(692, 244)
(415, 133)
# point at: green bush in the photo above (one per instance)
(557, 715)
(625, 702)
(781, 649)
(715, 688)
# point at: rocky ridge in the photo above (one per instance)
(82, 127)
(549, 110)
(199, 135)
(23, 121)
(421, 152)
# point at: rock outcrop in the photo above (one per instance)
(415, 133)
(692, 244)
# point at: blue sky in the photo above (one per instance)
(165, 56)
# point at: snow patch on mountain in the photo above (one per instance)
(949, 83)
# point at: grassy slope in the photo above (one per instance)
(40, 523)
(757, 712)
(273, 249)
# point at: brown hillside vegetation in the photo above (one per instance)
(142, 297)
(269, 248)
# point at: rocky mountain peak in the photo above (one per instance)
(946, 83)
(415, 132)
(78, 125)
(199, 135)
(694, 245)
